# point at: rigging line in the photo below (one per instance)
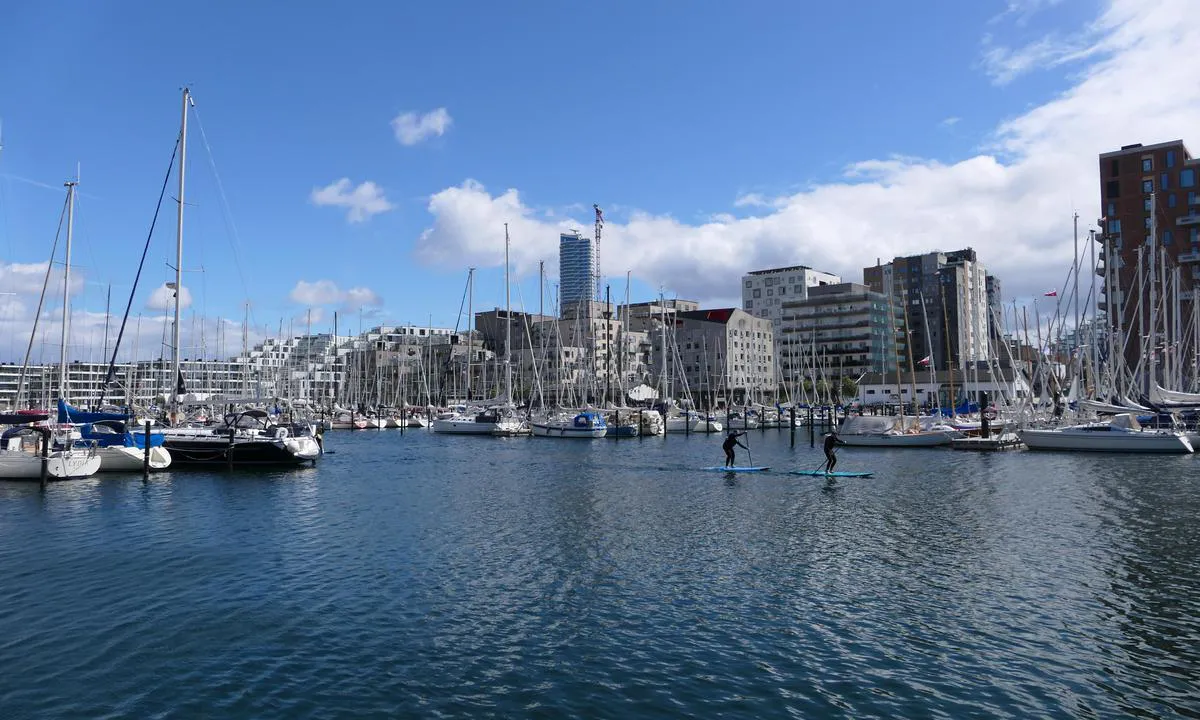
(231, 226)
(112, 364)
(37, 315)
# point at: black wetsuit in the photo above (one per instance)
(831, 441)
(728, 445)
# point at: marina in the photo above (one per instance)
(430, 574)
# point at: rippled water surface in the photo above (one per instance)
(425, 575)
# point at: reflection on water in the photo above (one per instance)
(424, 574)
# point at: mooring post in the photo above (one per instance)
(45, 458)
(146, 453)
(792, 418)
(812, 429)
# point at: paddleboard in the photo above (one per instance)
(822, 473)
(722, 468)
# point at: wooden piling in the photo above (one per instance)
(146, 454)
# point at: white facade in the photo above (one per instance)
(718, 353)
(765, 291)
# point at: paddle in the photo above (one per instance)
(748, 449)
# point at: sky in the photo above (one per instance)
(358, 159)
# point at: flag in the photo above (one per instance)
(1052, 293)
(925, 360)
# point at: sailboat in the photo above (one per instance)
(19, 446)
(245, 438)
(118, 449)
(495, 418)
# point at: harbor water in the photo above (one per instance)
(421, 575)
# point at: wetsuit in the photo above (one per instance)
(831, 441)
(728, 445)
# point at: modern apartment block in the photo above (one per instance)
(844, 329)
(720, 353)
(765, 291)
(576, 271)
(1151, 220)
(943, 303)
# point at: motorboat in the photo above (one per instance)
(479, 422)
(585, 424)
(883, 431)
(246, 438)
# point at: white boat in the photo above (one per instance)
(1122, 435)
(20, 459)
(417, 421)
(480, 422)
(692, 422)
(871, 431)
(121, 458)
(652, 422)
(586, 424)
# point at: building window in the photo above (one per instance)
(1171, 200)
(1147, 164)
(1112, 188)
(1112, 209)
(783, 290)
(1166, 237)
(770, 292)
(1194, 235)
(1146, 204)
(1170, 158)
(1147, 222)
(757, 292)
(749, 283)
(1114, 168)
(1187, 178)
(749, 304)
(1164, 182)
(1147, 186)
(1191, 195)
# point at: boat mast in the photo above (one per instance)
(470, 326)
(66, 320)
(507, 326)
(176, 370)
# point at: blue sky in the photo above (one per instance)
(709, 131)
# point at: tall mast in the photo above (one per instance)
(470, 325)
(66, 320)
(507, 326)
(176, 373)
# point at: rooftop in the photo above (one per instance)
(1140, 149)
(792, 268)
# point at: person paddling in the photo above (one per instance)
(831, 442)
(729, 444)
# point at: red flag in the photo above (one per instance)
(1052, 293)
(925, 360)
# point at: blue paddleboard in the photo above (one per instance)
(822, 473)
(722, 468)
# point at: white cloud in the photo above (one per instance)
(1012, 203)
(950, 121)
(412, 128)
(363, 201)
(326, 292)
(1004, 64)
(163, 298)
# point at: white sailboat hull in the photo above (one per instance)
(1101, 439)
(20, 465)
(119, 458)
(559, 431)
(919, 439)
(463, 426)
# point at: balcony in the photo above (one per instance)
(1189, 257)
(1188, 220)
